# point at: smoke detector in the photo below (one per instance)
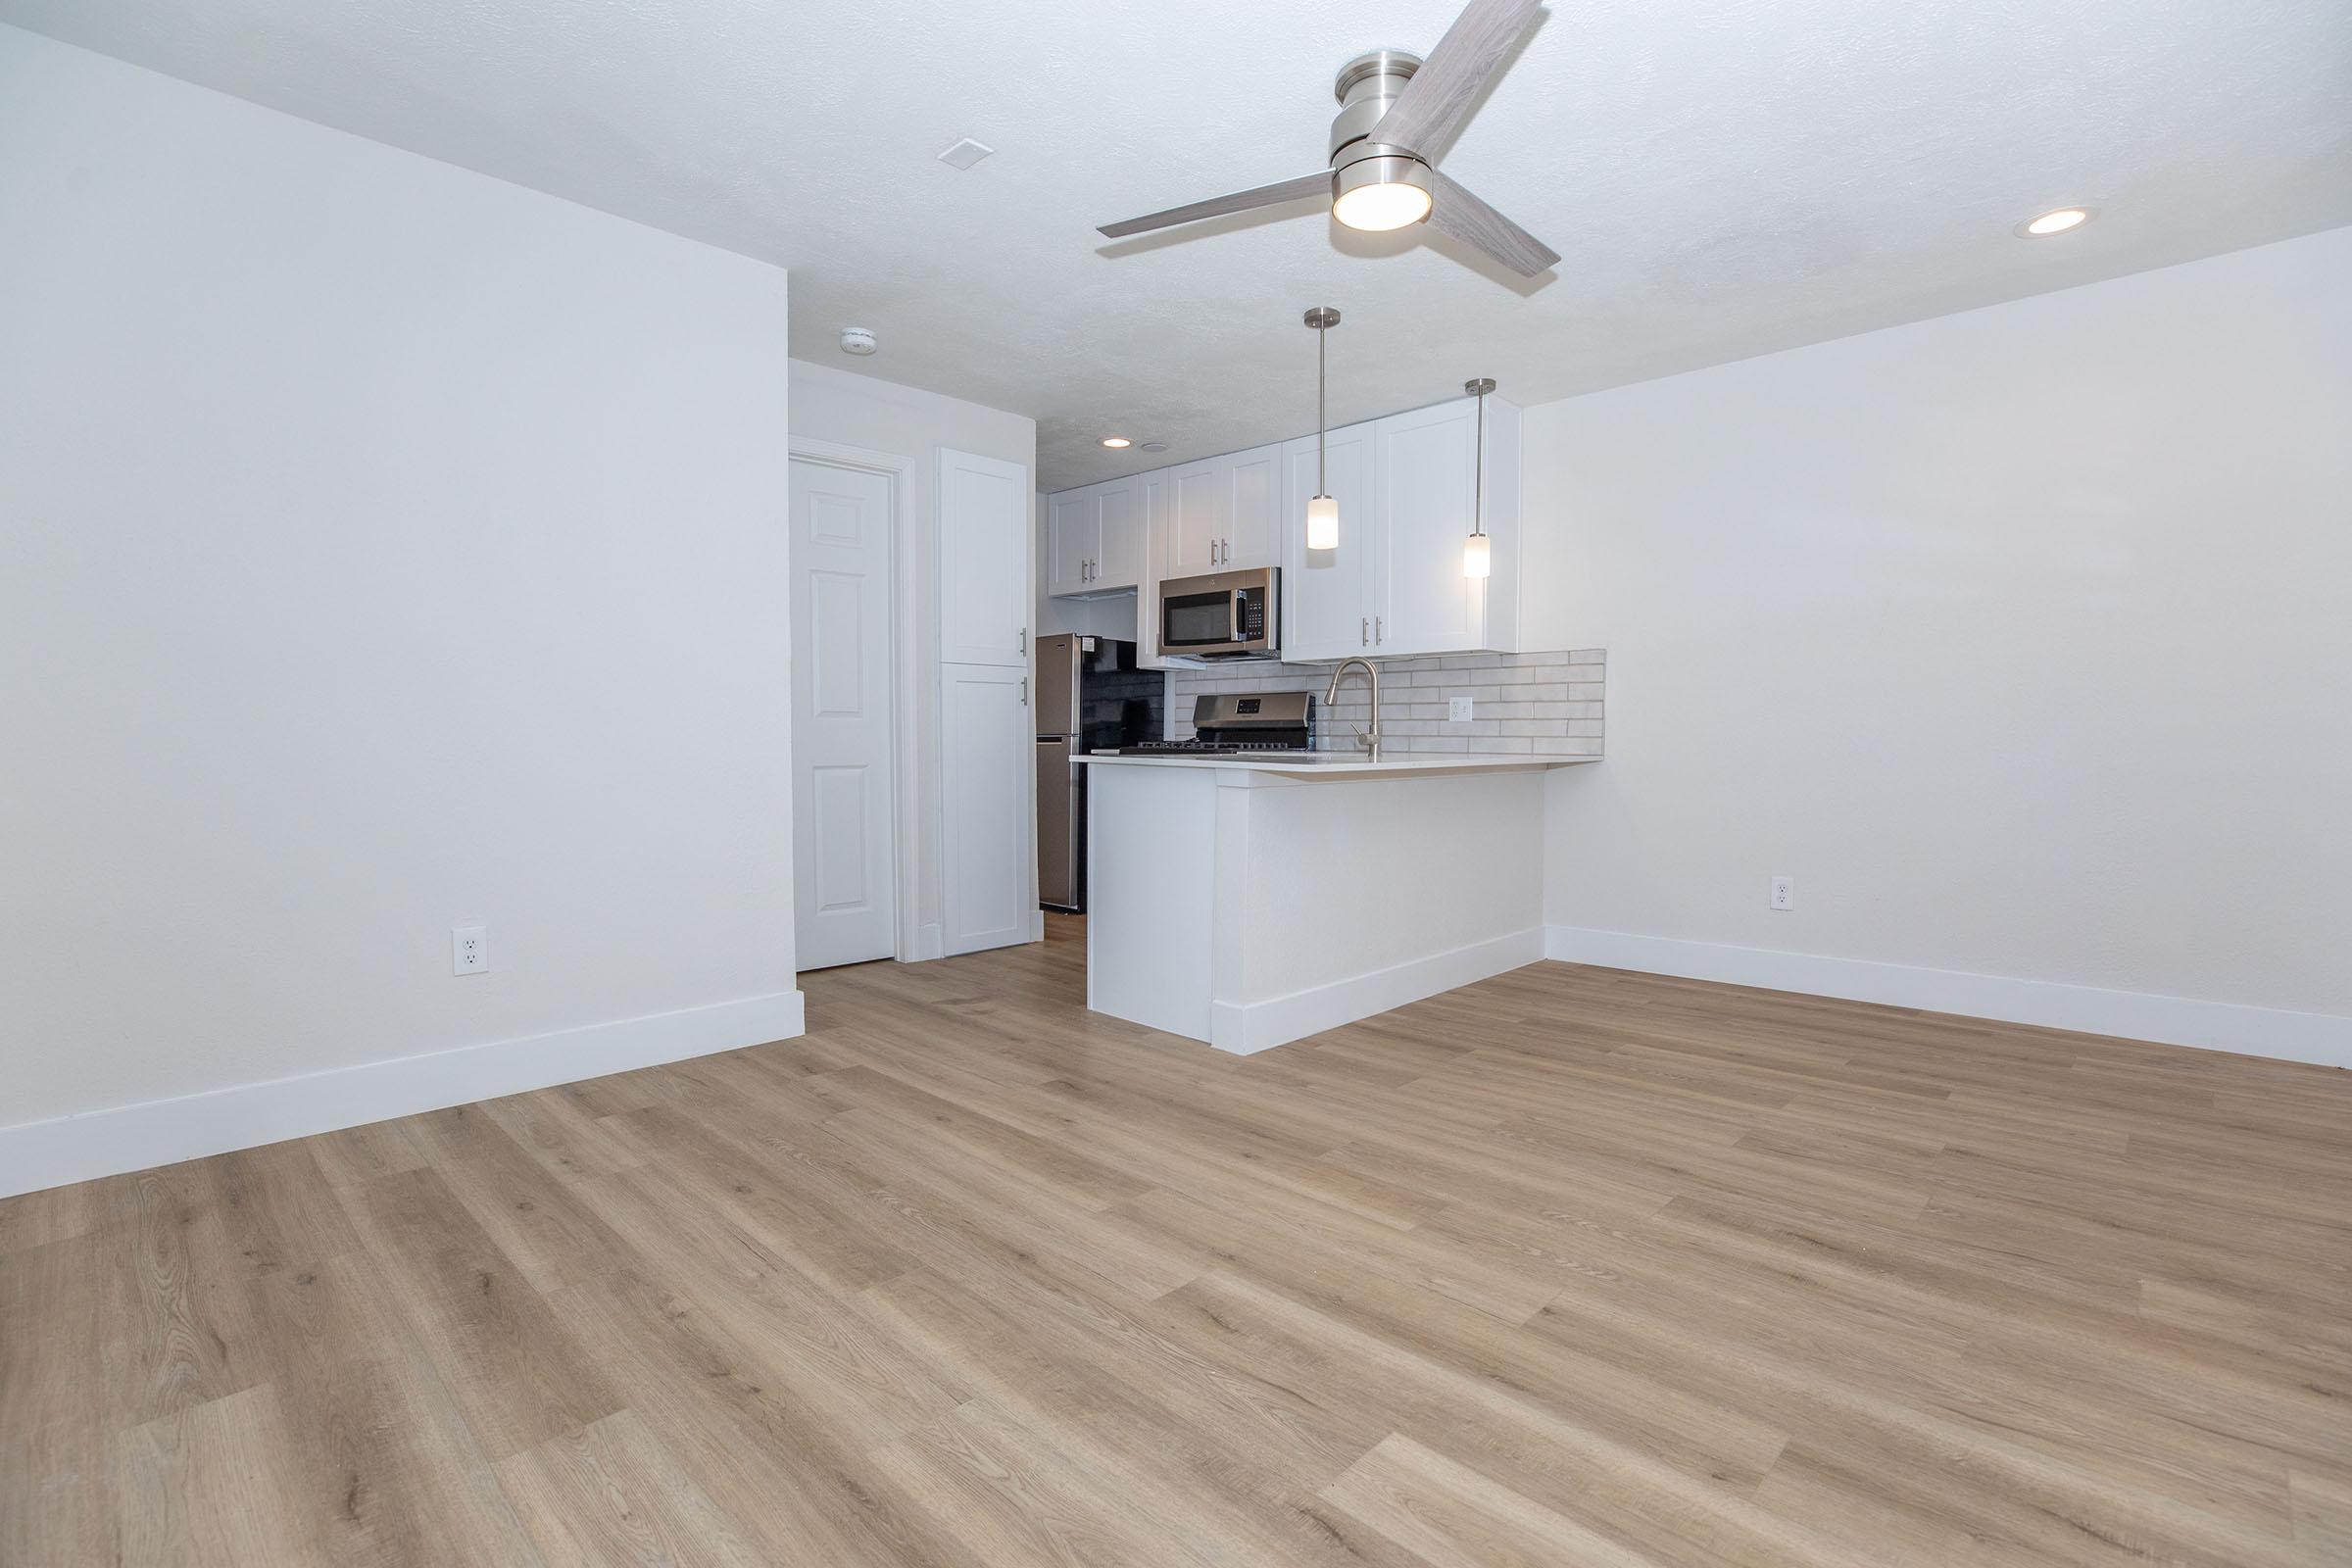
(857, 340)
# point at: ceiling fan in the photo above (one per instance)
(1394, 105)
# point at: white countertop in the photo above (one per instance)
(1344, 765)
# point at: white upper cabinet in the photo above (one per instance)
(1119, 520)
(984, 562)
(1426, 485)
(1326, 594)
(1407, 486)
(1094, 538)
(1253, 487)
(1154, 493)
(1075, 539)
(1221, 513)
(1200, 516)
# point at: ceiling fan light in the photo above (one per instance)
(1323, 523)
(1378, 194)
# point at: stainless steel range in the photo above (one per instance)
(1270, 725)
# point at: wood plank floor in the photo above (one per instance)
(1569, 1267)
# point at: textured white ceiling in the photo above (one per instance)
(1721, 177)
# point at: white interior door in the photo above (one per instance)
(988, 838)
(844, 878)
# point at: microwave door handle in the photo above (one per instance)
(1240, 595)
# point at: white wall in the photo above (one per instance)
(2021, 639)
(382, 546)
(844, 409)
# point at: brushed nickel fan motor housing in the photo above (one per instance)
(1365, 87)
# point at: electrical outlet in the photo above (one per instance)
(1784, 892)
(469, 948)
(1457, 710)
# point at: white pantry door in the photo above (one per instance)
(988, 815)
(843, 879)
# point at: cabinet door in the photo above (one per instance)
(1200, 508)
(1252, 535)
(988, 813)
(1425, 485)
(1326, 594)
(1119, 515)
(1153, 491)
(985, 573)
(1076, 540)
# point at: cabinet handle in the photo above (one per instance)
(1212, 552)
(1025, 639)
(1364, 633)
(1380, 633)
(1024, 690)
(1227, 558)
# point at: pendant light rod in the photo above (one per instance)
(1323, 317)
(1479, 388)
(1322, 510)
(1478, 556)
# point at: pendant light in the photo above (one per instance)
(1478, 560)
(1323, 511)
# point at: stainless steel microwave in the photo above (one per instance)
(1226, 614)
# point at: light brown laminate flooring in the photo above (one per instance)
(1569, 1267)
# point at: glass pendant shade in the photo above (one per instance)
(1477, 560)
(1323, 523)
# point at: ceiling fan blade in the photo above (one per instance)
(1317, 184)
(1455, 211)
(1436, 101)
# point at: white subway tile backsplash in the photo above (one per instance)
(1538, 702)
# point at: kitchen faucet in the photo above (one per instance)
(1371, 740)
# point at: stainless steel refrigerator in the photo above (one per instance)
(1090, 697)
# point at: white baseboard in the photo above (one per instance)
(1246, 1028)
(930, 942)
(35, 1155)
(2314, 1037)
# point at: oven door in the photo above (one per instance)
(1229, 614)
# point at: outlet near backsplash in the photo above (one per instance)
(1547, 702)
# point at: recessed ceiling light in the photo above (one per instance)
(1114, 442)
(2057, 221)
